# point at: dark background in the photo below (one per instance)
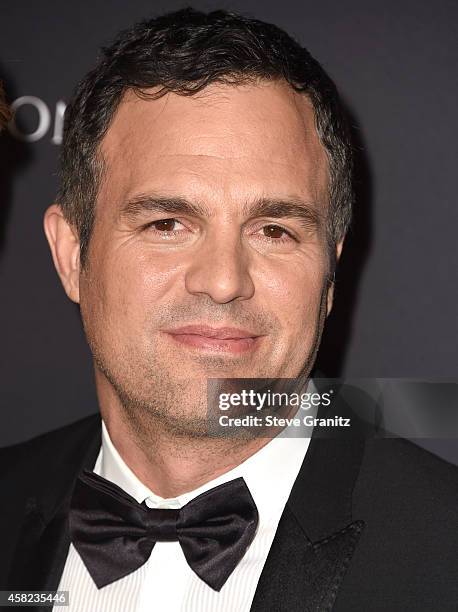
(395, 313)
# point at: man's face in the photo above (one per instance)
(208, 256)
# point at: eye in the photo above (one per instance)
(165, 225)
(169, 230)
(273, 238)
(275, 232)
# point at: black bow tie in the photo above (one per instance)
(115, 535)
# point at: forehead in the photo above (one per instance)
(228, 142)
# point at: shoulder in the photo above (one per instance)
(403, 469)
(409, 494)
(46, 449)
(406, 556)
(40, 468)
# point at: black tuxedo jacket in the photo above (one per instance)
(370, 525)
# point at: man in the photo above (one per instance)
(206, 193)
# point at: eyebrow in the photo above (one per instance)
(173, 205)
(278, 208)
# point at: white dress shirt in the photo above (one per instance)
(166, 583)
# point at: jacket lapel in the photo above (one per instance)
(300, 575)
(317, 534)
(43, 541)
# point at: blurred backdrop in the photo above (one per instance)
(395, 313)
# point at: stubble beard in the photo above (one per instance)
(157, 404)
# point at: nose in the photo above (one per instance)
(220, 270)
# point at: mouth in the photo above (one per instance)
(219, 339)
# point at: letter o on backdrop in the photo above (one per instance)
(44, 119)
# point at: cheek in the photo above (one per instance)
(294, 293)
(131, 285)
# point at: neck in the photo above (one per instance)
(167, 464)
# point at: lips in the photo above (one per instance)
(221, 339)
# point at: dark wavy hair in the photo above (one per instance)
(183, 52)
(5, 112)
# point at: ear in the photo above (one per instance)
(330, 296)
(65, 248)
